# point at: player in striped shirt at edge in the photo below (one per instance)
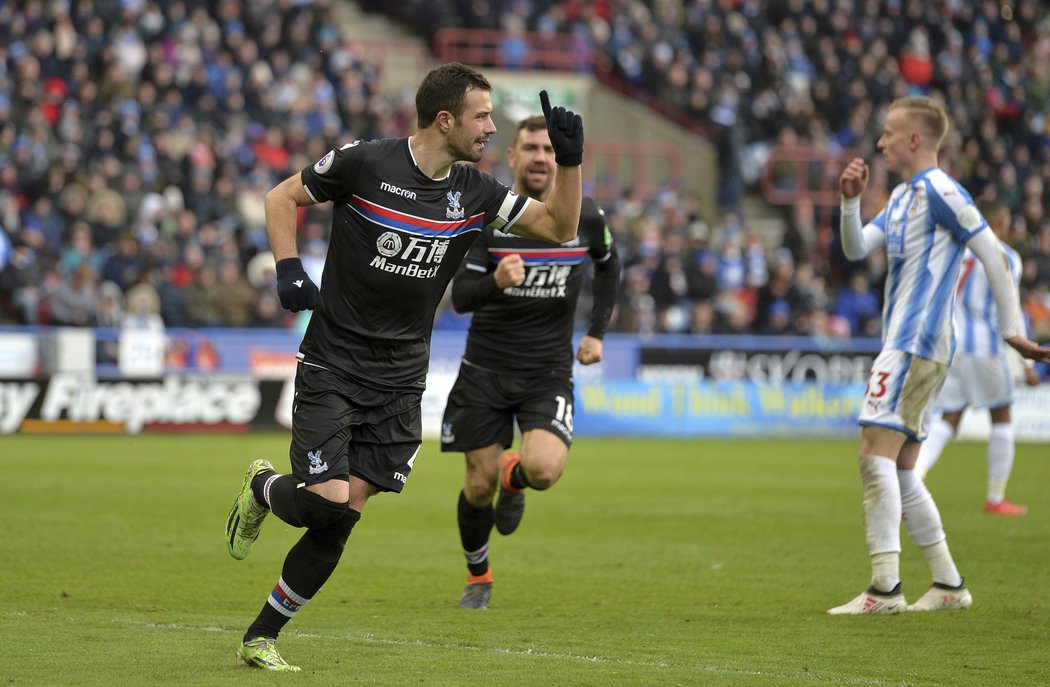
(404, 216)
(520, 289)
(981, 375)
(925, 227)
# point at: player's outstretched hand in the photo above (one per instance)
(1030, 349)
(565, 128)
(294, 286)
(854, 179)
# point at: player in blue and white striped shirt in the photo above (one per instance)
(925, 227)
(980, 375)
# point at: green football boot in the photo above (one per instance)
(247, 515)
(261, 652)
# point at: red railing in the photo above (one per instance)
(796, 172)
(509, 50)
(610, 166)
(554, 52)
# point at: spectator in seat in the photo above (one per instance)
(858, 304)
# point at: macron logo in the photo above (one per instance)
(298, 283)
(390, 188)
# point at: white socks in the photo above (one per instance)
(882, 520)
(1000, 455)
(918, 510)
(923, 523)
(892, 495)
(1000, 460)
(940, 434)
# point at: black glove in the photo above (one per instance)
(294, 286)
(566, 131)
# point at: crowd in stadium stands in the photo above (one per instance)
(138, 139)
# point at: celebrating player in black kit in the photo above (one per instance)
(521, 290)
(405, 215)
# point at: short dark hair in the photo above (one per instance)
(445, 88)
(533, 123)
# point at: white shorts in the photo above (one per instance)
(976, 381)
(901, 392)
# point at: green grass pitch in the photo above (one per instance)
(652, 562)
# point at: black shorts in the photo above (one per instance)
(483, 404)
(341, 427)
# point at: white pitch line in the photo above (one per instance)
(601, 660)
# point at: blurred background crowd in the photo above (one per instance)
(138, 139)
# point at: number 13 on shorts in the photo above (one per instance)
(876, 387)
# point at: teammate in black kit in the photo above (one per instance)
(521, 290)
(405, 215)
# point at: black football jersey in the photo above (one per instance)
(398, 237)
(528, 328)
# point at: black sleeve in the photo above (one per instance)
(334, 176)
(593, 229)
(605, 285)
(474, 284)
(606, 280)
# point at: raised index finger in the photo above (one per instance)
(545, 103)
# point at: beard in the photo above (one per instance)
(532, 187)
(462, 148)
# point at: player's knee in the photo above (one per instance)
(482, 480)
(544, 474)
(317, 512)
(480, 488)
(333, 536)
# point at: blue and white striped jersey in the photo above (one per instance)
(976, 317)
(927, 222)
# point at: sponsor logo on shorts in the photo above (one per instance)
(447, 437)
(400, 477)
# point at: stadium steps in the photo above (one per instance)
(404, 57)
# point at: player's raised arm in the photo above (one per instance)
(558, 218)
(987, 250)
(294, 287)
(857, 240)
